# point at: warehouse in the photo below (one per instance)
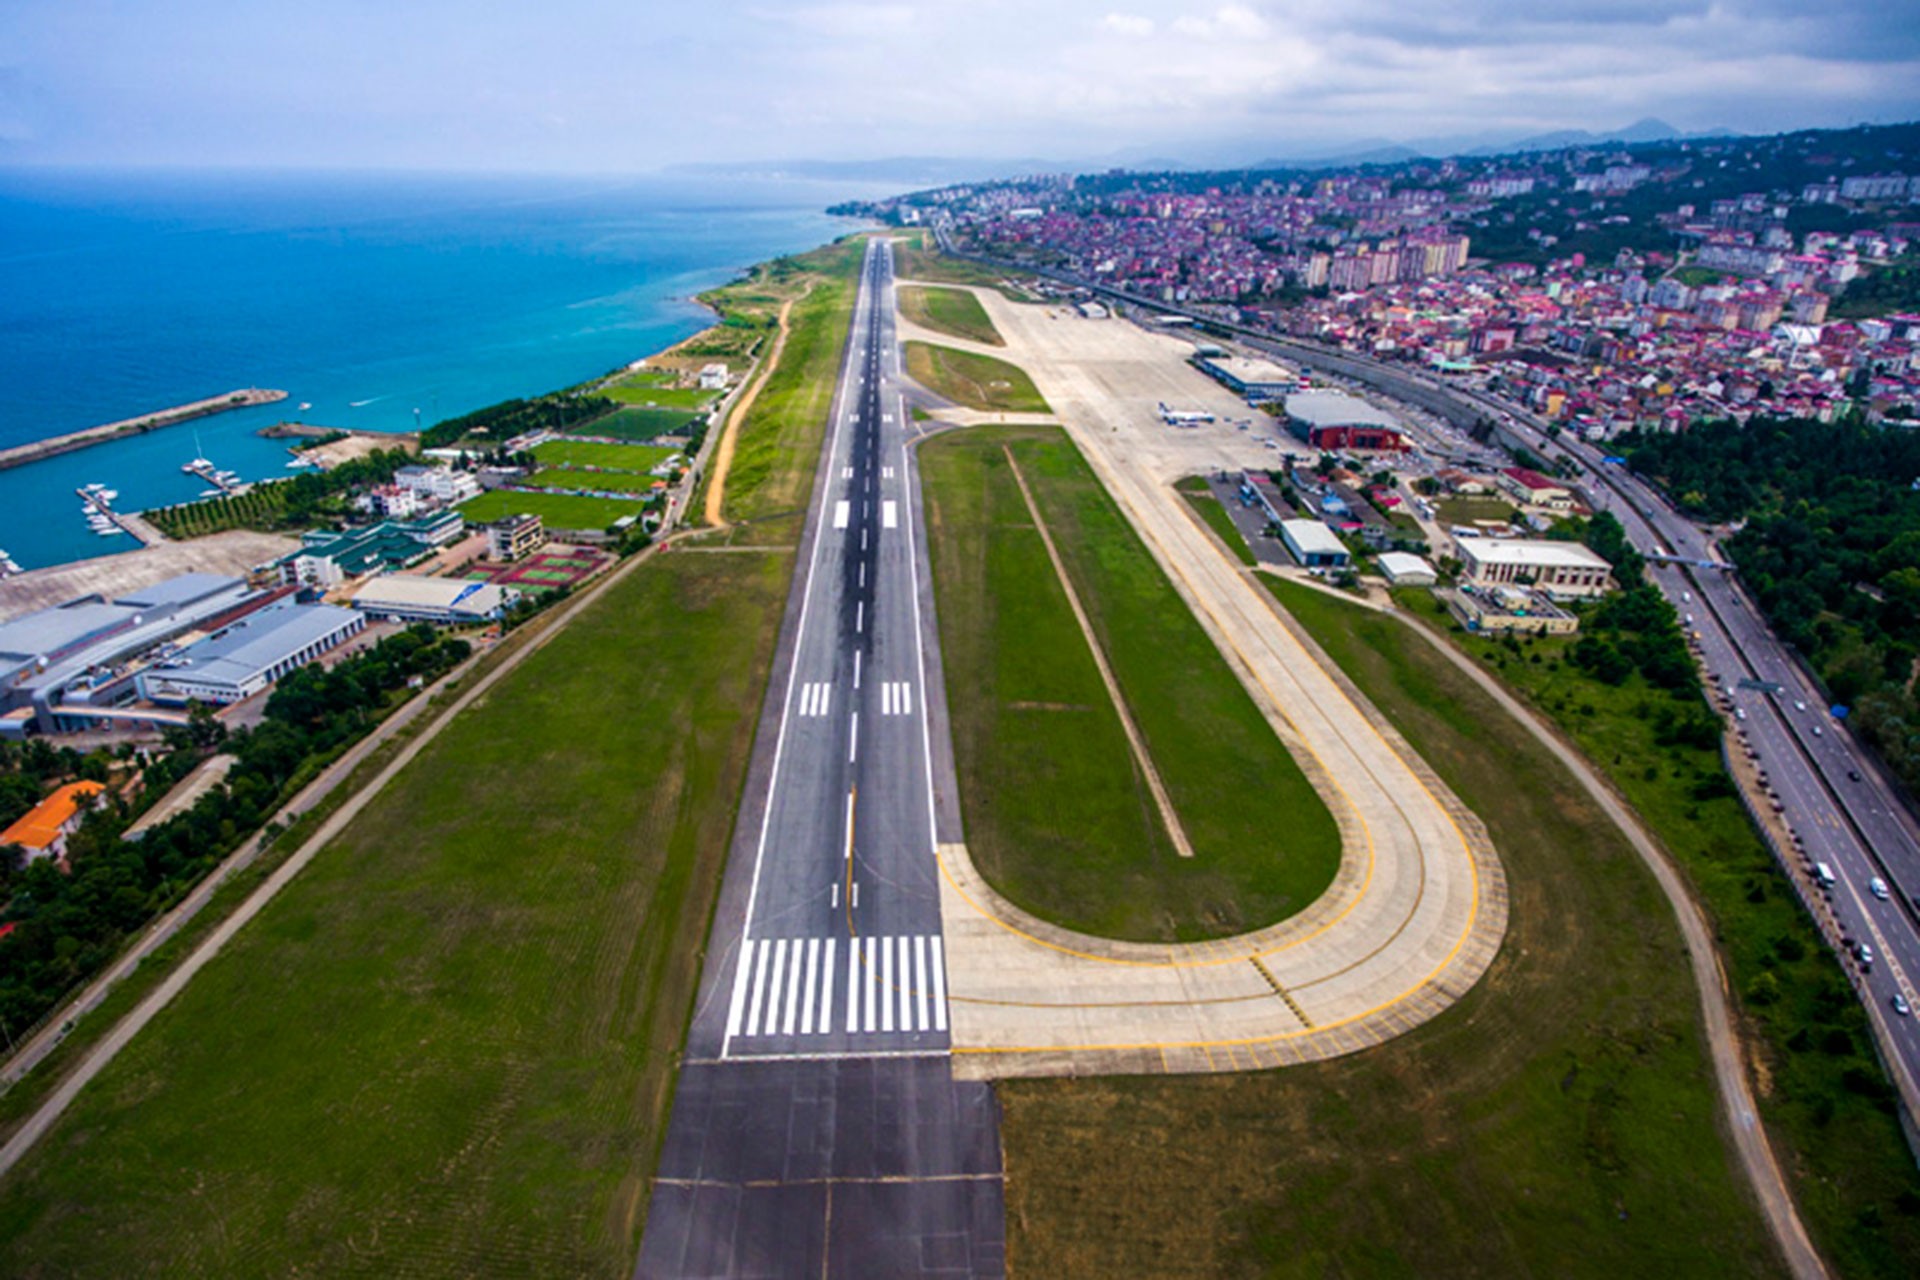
(1313, 545)
(442, 601)
(1404, 569)
(1254, 378)
(1560, 569)
(247, 657)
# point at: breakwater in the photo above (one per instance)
(245, 398)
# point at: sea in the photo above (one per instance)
(383, 302)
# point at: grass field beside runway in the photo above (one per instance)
(1824, 1097)
(954, 312)
(1056, 817)
(772, 477)
(1560, 1120)
(976, 381)
(592, 453)
(449, 1047)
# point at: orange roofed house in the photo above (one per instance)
(43, 830)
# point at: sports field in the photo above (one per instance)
(556, 510)
(449, 1047)
(648, 392)
(604, 481)
(1056, 815)
(561, 568)
(592, 453)
(636, 424)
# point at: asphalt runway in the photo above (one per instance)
(818, 1130)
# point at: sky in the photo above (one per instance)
(629, 85)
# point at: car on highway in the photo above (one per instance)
(1817, 733)
(1878, 888)
(1900, 1005)
(1799, 705)
(1865, 952)
(1853, 775)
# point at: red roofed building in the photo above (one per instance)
(1531, 487)
(43, 830)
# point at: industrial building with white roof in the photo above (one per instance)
(1560, 569)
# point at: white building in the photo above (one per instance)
(444, 601)
(442, 484)
(245, 658)
(1404, 569)
(1313, 545)
(1560, 569)
(713, 377)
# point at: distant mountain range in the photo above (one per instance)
(933, 171)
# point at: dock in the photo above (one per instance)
(130, 524)
(245, 398)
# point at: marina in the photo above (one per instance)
(96, 504)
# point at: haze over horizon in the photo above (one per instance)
(593, 86)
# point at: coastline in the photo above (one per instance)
(245, 398)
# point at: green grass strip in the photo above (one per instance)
(1559, 1120)
(954, 312)
(448, 1047)
(975, 381)
(1056, 817)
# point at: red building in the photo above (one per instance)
(1356, 436)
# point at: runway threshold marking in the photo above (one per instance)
(842, 513)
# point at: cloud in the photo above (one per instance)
(1130, 25)
(594, 83)
(1233, 22)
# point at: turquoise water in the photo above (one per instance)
(382, 300)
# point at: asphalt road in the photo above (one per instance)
(817, 1130)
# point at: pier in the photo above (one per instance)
(130, 524)
(245, 398)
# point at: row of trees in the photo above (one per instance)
(511, 418)
(69, 925)
(281, 504)
(1828, 545)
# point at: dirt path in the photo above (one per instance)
(1749, 1135)
(723, 454)
(1161, 800)
(95, 1060)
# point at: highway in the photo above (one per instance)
(817, 1129)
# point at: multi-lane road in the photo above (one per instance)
(818, 1130)
(1829, 793)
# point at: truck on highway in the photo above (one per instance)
(1824, 874)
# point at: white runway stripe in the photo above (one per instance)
(842, 512)
(896, 698)
(773, 988)
(814, 698)
(889, 514)
(887, 472)
(785, 986)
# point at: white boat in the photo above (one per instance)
(305, 405)
(108, 495)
